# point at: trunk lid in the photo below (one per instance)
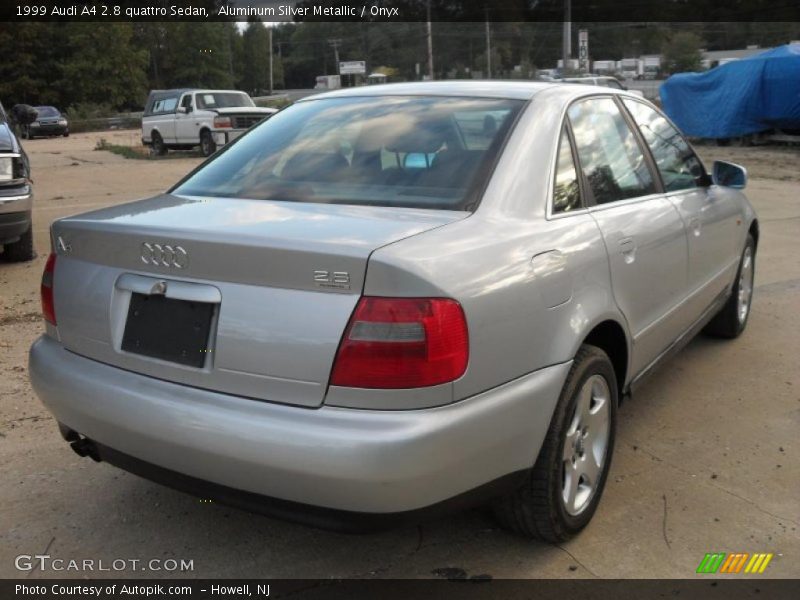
(282, 279)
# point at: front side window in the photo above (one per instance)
(186, 102)
(424, 152)
(611, 159)
(676, 162)
(567, 193)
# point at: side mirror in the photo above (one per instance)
(729, 175)
(182, 110)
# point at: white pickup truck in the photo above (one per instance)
(186, 118)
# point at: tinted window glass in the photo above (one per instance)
(423, 152)
(678, 165)
(186, 102)
(567, 193)
(610, 156)
(479, 128)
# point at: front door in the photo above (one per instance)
(642, 230)
(186, 123)
(710, 222)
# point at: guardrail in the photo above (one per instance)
(122, 121)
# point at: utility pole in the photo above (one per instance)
(566, 49)
(488, 46)
(270, 61)
(430, 44)
(335, 44)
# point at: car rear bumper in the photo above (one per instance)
(350, 460)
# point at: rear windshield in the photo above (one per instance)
(222, 100)
(424, 152)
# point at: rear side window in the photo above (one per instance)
(424, 152)
(165, 105)
(676, 162)
(609, 154)
(567, 193)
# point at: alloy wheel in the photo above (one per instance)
(585, 445)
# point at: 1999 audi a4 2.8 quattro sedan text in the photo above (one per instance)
(391, 300)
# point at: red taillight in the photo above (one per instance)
(48, 308)
(402, 343)
(222, 122)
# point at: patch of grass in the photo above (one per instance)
(139, 152)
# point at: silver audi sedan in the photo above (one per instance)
(387, 301)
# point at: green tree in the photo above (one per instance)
(101, 65)
(31, 67)
(199, 55)
(255, 73)
(682, 53)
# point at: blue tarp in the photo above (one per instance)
(738, 98)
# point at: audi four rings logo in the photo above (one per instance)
(164, 255)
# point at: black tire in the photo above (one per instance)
(66, 134)
(207, 145)
(728, 323)
(157, 144)
(537, 509)
(22, 250)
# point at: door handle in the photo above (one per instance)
(695, 225)
(627, 248)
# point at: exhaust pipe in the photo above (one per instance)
(85, 447)
(82, 446)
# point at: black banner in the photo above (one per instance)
(402, 10)
(384, 589)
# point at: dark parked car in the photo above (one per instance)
(49, 122)
(16, 193)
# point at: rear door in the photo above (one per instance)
(642, 230)
(710, 222)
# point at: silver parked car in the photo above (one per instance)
(388, 300)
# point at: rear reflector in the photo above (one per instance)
(393, 343)
(48, 308)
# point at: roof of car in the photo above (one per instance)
(522, 90)
(177, 91)
(519, 90)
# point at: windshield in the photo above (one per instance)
(46, 112)
(424, 152)
(223, 100)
